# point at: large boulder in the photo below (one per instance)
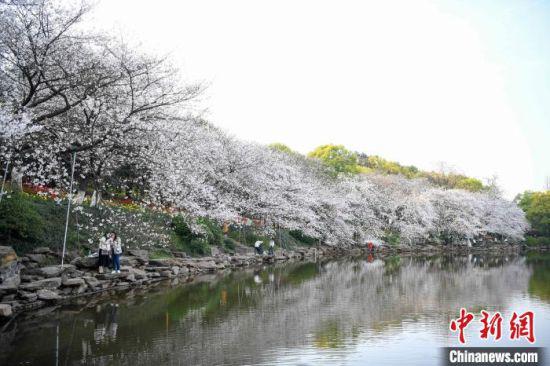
(9, 269)
(85, 262)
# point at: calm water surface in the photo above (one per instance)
(342, 312)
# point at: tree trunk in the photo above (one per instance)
(96, 199)
(16, 180)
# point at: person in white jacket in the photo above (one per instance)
(116, 251)
(104, 248)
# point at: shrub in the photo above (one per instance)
(533, 241)
(213, 231)
(391, 238)
(229, 244)
(198, 246)
(21, 225)
(302, 238)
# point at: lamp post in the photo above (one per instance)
(68, 209)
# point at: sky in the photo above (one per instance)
(419, 82)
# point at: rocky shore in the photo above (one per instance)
(35, 280)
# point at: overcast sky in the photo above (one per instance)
(420, 82)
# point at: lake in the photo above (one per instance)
(357, 311)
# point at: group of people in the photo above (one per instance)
(260, 249)
(110, 250)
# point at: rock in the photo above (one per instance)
(166, 274)
(30, 278)
(175, 270)
(107, 276)
(7, 256)
(140, 254)
(85, 262)
(52, 271)
(9, 269)
(207, 265)
(155, 269)
(53, 282)
(129, 261)
(42, 250)
(27, 296)
(91, 281)
(73, 282)
(80, 289)
(37, 258)
(180, 254)
(48, 295)
(7, 298)
(5, 310)
(130, 277)
(166, 262)
(138, 273)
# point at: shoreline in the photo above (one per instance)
(27, 286)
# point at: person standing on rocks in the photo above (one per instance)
(271, 246)
(116, 250)
(258, 247)
(104, 248)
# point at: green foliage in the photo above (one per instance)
(451, 180)
(301, 238)
(29, 221)
(391, 238)
(537, 210)
(213, 233)
(381, 165)
(181, 228)
(534, 241)
(229, 244)
(160, 254)
(336, 157)
(198, 246)
(197, 243)
(21, 224)
(470, 184)
(281, 147)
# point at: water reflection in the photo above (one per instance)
(539, 283)
(325, 312)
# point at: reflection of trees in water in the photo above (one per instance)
(539, 283)
(344, 300)
(245, 317)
